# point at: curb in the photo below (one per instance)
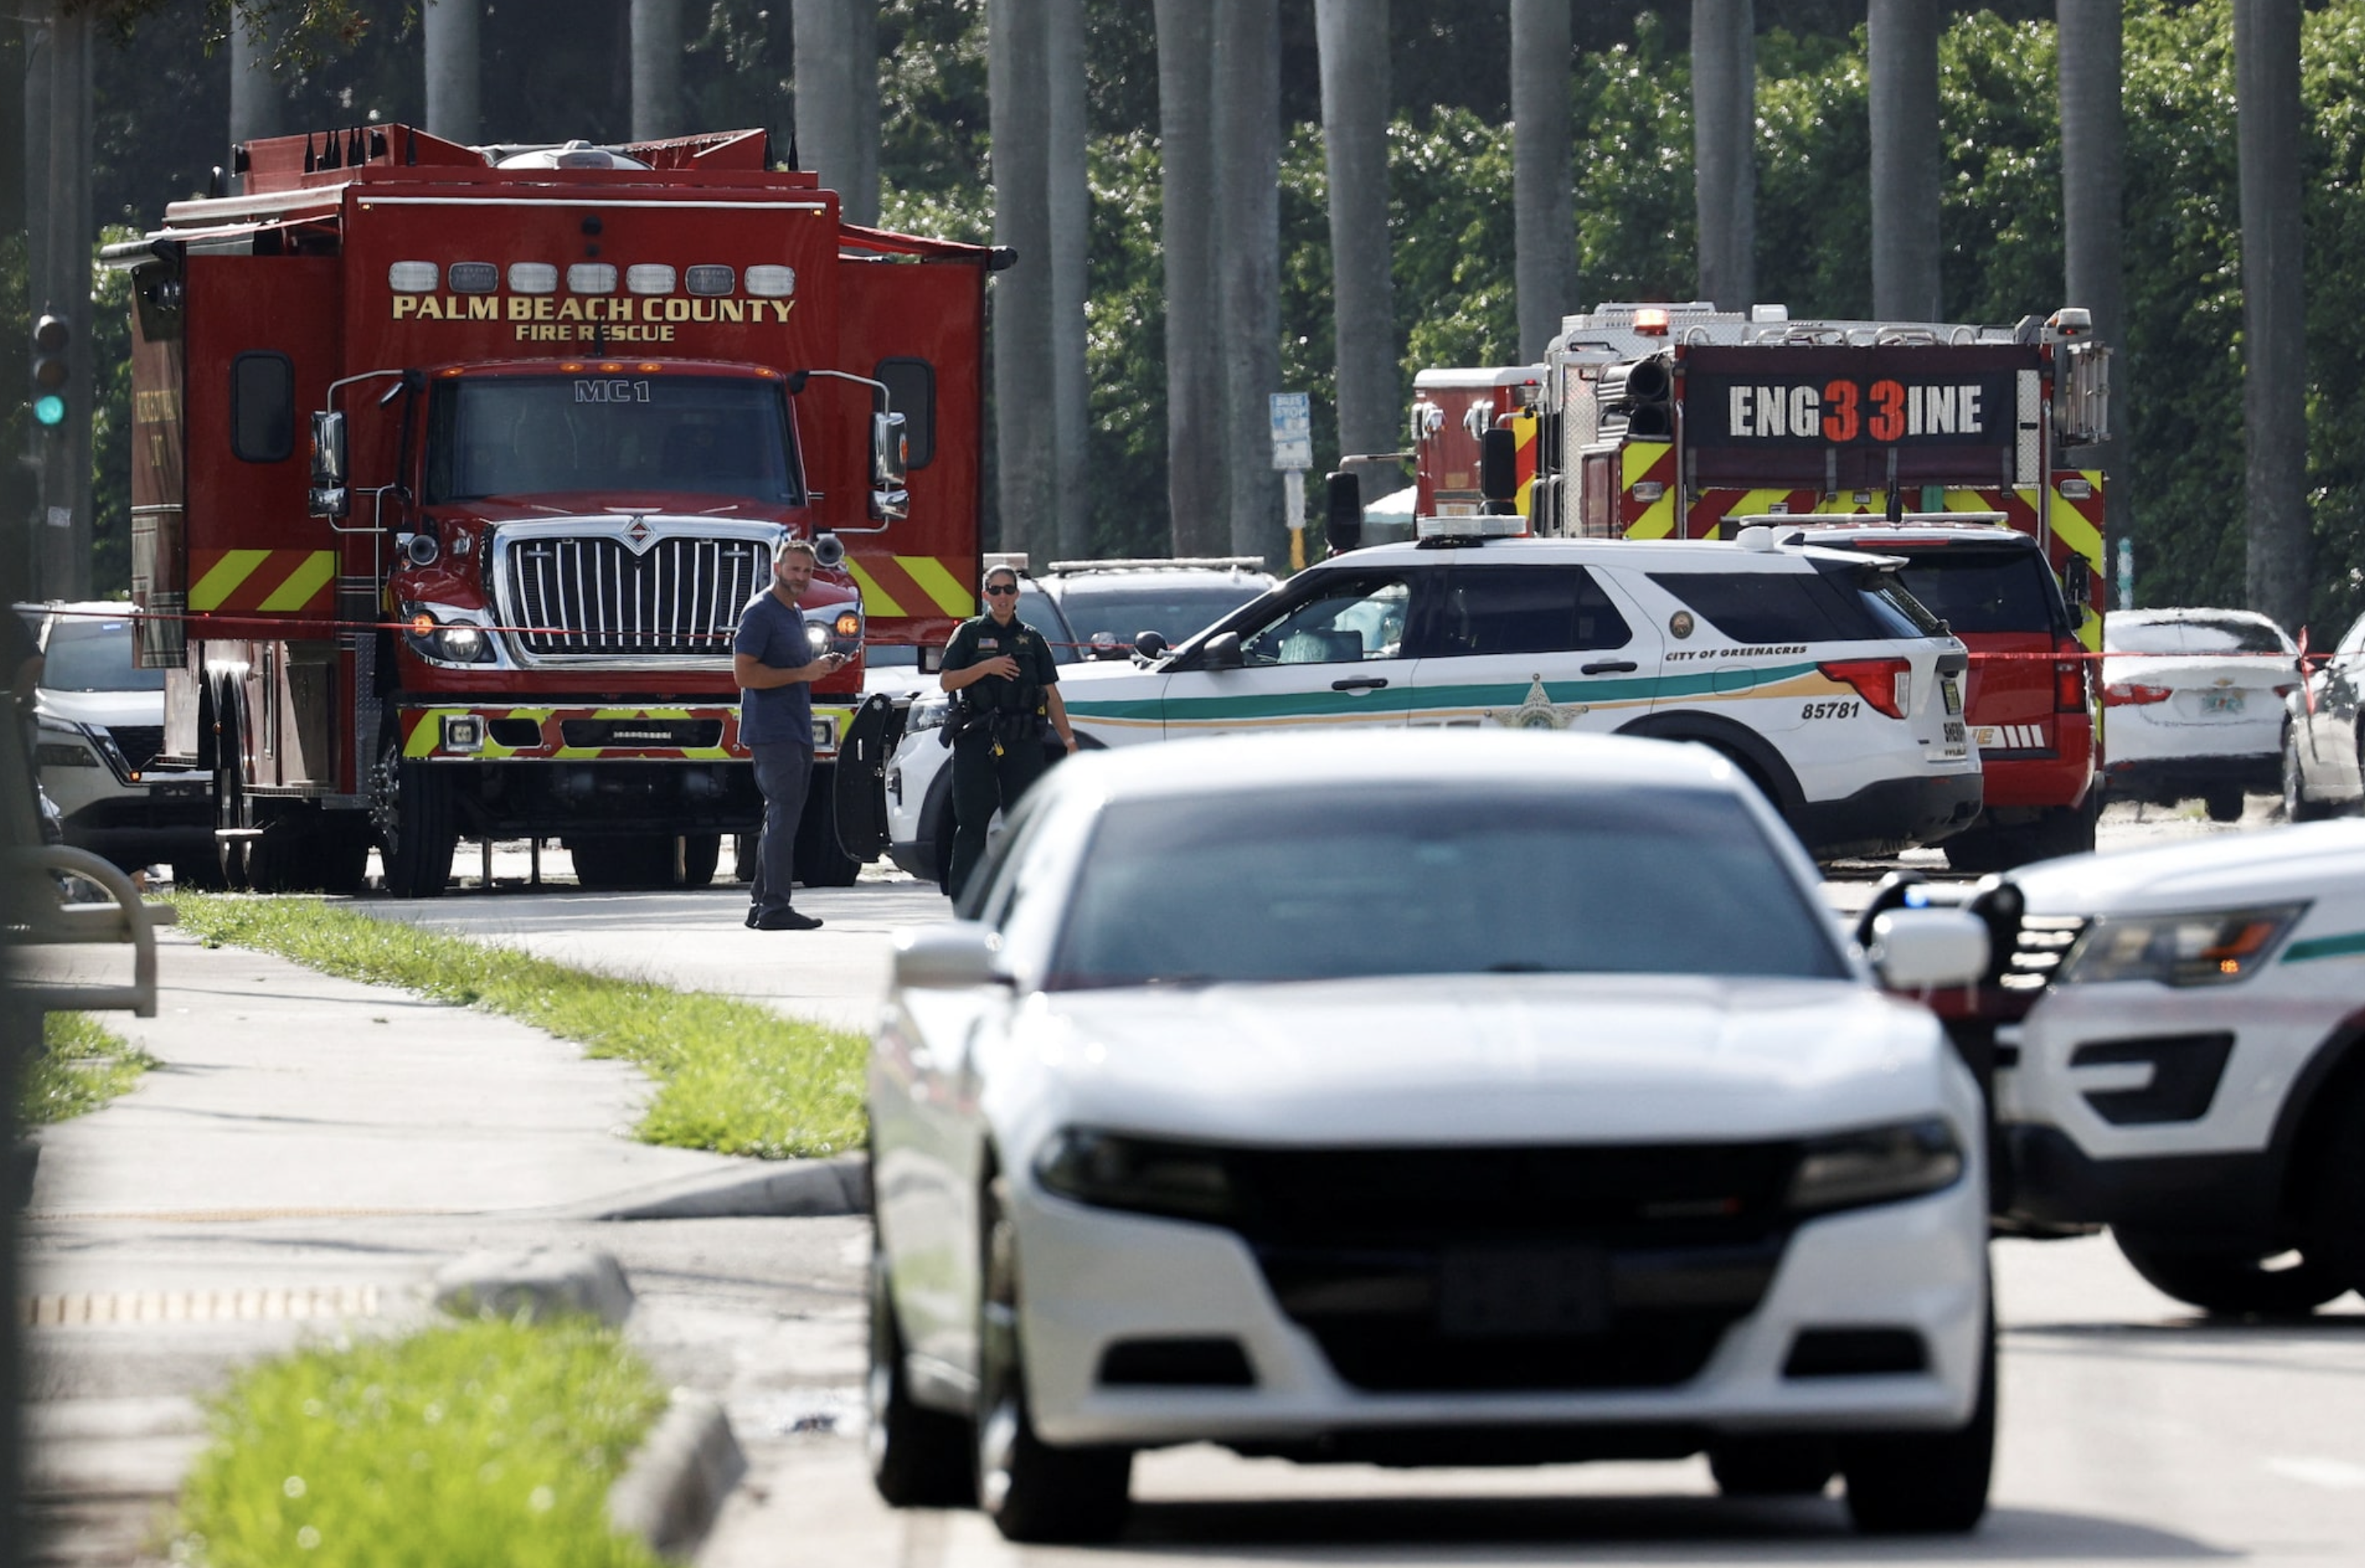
(542, 1282)
(798, 1189)
(670, 1493)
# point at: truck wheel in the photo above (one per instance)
(410, 808)
(1926, 1482)
(2229, 1283)
(229, 807)
(700, 854)
(821, 861)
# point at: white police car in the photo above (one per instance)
(1827, 684)
(2192, 1071)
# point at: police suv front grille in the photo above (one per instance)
(2045, 940)
(594, 597)
(138, 742)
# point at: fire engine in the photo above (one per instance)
(1950, 445)
(562, 402)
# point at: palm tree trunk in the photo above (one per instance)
(1724, 131)
(1247, 261)
(453, 30)
(1544, 222)
(837, 99)
(1905, 165)
(2274, 335)
(1353, 34)
(1196, 489)
(1025, 439)
(656, 69)
(2093, 143)
(1071, 217)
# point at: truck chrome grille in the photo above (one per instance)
(590, 597)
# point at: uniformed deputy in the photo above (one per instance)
(1005, 688)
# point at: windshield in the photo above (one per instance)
(2194, 634)
(94, 655)
(1501, 879)
(518, 435)
(1985, 590)
(1174, 611)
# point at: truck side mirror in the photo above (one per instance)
(890, 449)
(2078, 591)
(1343, 511)
(329, 497)
(1499, 464)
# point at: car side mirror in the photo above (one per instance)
(2078, 591)
(1916, 949)
(1149, 646)
(1221, 651)
(952, 955)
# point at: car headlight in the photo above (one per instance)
(927, 714)
(1111, 1171)
(62, 744)
(1876, 1165)
(2210, 947)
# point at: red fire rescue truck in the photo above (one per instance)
(1952, 446)
(564, 400)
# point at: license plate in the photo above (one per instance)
(1952, 690)
(1487, 1293)
(2220, 702)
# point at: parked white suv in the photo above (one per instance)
(1825, 682)
(102, 727)
(2192, 1072)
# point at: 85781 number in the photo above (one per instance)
(1830, 711)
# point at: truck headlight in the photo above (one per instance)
(438, 634)
(460, 645)
(1876, 1165)
(2208, 947)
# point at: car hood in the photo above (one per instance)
(108, 708)
(2228, 868)
(1477, 1059)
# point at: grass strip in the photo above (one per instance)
(489, 1443)
(79, 1067)
(731, 1076)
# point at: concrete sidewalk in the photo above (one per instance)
(307, 1155)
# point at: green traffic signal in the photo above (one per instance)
(50, 373)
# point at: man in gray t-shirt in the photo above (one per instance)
(775, 669)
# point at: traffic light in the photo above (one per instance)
(51, 335)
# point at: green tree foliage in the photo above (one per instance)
(560, 67)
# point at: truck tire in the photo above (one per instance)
(700, 854)
(821, 861)
(2229, 1283)
(410, 810)
(229, 802)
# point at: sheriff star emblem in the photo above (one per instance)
(1536, 711)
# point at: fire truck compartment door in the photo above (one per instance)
(262, 347)
(860, 784)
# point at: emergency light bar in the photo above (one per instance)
(1478, 525)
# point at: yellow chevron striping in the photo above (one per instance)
(951, 595)
(1657, 521)
(876, 600)
(1637, 459)
(216, 586)
(303, 583)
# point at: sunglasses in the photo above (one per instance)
(998, 589)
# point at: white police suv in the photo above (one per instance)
(2192, 1072)
(1826, 683)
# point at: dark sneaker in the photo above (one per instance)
(788, 920)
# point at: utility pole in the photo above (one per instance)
(59, 233)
